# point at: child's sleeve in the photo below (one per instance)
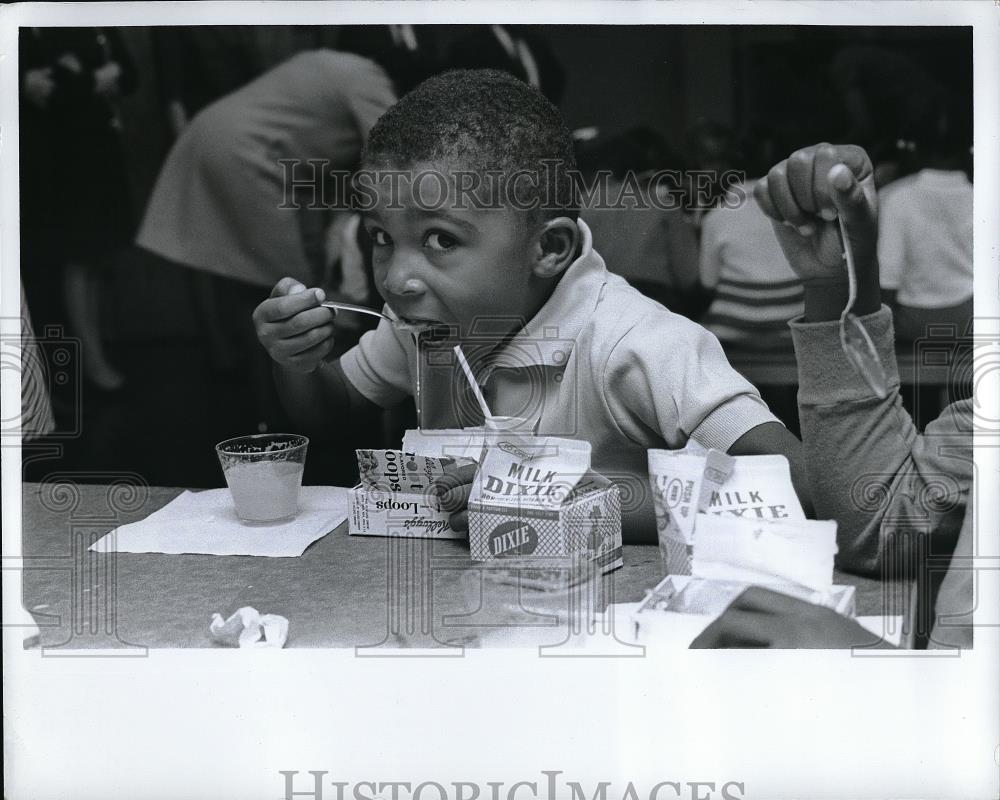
(377, 366)
(668, 378)
(869, 467)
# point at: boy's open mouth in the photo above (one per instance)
(419, 322)
(420, 326)
(403, 321)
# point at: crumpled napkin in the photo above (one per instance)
(247, 627)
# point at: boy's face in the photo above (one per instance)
(437, 262)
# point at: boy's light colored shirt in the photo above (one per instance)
(600, 362)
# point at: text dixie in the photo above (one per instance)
(528, 482)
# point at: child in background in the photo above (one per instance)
(644, 239)
(753, 289)
(925, 244)
(511, 273)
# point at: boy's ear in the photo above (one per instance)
(558, 243)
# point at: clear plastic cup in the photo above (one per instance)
(264, 474)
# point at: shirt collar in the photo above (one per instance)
(548, 338)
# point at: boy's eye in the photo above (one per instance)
(379, 237)
(438, 240)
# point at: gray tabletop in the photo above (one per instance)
(372, 593)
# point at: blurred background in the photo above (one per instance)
(122, 127)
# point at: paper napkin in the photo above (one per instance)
(205, 522)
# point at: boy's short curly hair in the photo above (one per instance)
(483, 121)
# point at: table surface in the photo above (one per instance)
(344, 591)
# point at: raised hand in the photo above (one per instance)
(805, 193)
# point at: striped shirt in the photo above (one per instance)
(756, 290)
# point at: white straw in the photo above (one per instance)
(487, 414)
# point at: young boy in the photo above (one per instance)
(473, 223)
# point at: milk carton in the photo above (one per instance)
(692, 484)
(683, 484)
(537, 495)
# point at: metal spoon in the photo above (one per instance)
(854, 339)
(357, 309)
(412, 330)
(416, 330)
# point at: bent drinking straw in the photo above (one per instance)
(854, 339)
(487, 414)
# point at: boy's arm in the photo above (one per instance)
(320, 401)
(298, 334)
(868, 467)
(763, 618)
(668, 378)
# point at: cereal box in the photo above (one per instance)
(394, 497)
